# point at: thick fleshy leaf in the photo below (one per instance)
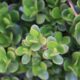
(78, 3)
(52, 3)
(70, 76)
(25, 59)
(13, 67)
(11, 53)
(34, 30)
(3, 9)
(17, 33)
(5, 40)
(29, 74)
(52, 44)
(67, 14)
(38, 69)
(55, 13)
(57, 60)
(62, 49)
(30, 7)
(44, 75)
(76, 56)
(58, 36)
(66, 64)
(35, 47)
(14, 15)
(77, 33)
(21, 51)
(3, 56)
(66, 40)
(42, 39)
(41, 5)
(46, 54)
(2, 67)
(40, 18)
(28, 19)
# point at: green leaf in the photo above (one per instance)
(30, 7)
(52, 44)
(5, 40)
(76, 55)
(40, 18)
(77, 33)
(58, 36)
(42, 39)
(25, 59)
(41, 5)
(2, 67)
(36, 59)
(52, 3)
(66, 64)
(28, 19)
(14, 15)
(78, 3)
(13, 67)
(40, 69)
(11, 53)
(34, 30)
(21, 51)
(6, 21)
(29, 74)
(57, 60)
(44, 75)
(17, 34)
(56, 13)
(67, 14)
(66, 40)
(46, 54)
(3, 8)
(62, 49)
(70, 76)
(35, 47)
(3, 56)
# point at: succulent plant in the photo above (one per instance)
(40, 40)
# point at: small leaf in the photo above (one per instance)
(46, 54)
(3, 56)
(2, 67)
(34, 30)
(52, 44)
(41, 5)
(66, 40)
(67, 14)
(57, 60)
(78, 3)
(28, 19)
(58, 36)
(70, 76)
(13, 67)
(44, 75)
(21, 51)
(35, 47)
(76, 55)
(63, 49)
(25, 59)
(29, 74)
(40, 18)
(56, 13)
(42, 39)
(14, 15)
(77, 33)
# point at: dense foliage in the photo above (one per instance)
(40, 40)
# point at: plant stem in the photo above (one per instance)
(72, 7)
